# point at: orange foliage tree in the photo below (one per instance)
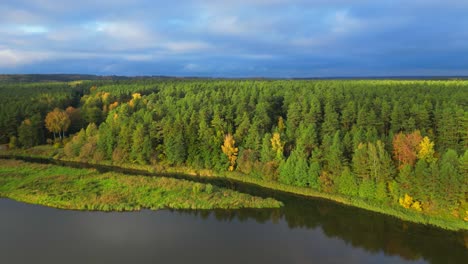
(405, 147)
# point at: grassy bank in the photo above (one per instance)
(86, 189)
(445, 222)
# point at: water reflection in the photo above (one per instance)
(370, 231)
(304, 231)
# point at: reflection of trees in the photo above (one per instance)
(376, 232)
(241, 215)
(371, 231)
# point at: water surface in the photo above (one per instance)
(311, 231)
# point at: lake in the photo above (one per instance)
(304, 231)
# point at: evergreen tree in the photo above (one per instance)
(174, 143)
(367, 189)
(331, 121)
(397, 118)
(451, 179)
(106, 141)
(346, 183)
(315, 168)
(294, 117)
(243, 129)
(139, 152)
(267, 154)
(348, 117)
(334, 156)
(360, 162)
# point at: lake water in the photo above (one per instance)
(304, 231)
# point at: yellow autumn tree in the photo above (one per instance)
(230, 150)
(277, 145)
(426, 150)
(408, 202)
(105, 97)
(57, 121)
(135, 98)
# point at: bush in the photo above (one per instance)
(196, 188)
(13, 143)
(209, 189)
(408, 202)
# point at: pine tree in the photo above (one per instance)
(315, 169)
(367, 189)
(348, 117)
(387, 169)
(360, 162)
(307, 138)
(346, 183)
(301, 173)
(381, 193)
(106, 141)
(287, 170)
(397, 118)
(293, 119)
(334, 156)
(138, 152)
(267, 153)
(174, 142)
(452, 181)
(331, 120)
(404, 179)
(243, 129)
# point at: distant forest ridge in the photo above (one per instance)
(92, 77)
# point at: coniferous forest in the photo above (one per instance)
(395, 143)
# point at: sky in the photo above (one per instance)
(235, 38)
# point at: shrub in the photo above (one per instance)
(13, 142)
(196, 188)
(408, 202)
(209, 189)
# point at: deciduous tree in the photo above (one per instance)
(230, 150)
(57, 121)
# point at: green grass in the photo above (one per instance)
(86, 189)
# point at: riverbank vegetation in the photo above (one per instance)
(87, 189)
(398, 145)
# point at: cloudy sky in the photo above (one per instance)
(235, 38)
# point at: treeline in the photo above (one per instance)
(392, 142)
(27, 104)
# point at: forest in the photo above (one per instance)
(395, 143)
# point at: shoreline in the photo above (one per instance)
(228, 178)
(87, 189)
